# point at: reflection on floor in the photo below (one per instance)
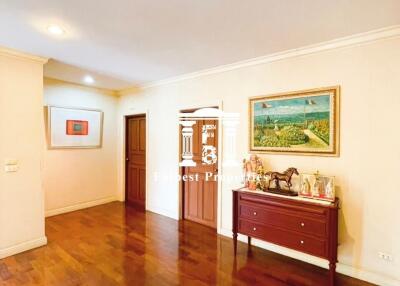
(117, 245)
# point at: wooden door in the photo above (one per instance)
(135, 190)
(200, 194)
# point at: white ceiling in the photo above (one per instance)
(71, 73)
(140, 41)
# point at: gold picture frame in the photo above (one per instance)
(305, 122)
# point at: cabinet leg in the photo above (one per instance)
(249, 246)
(332, 273)
(235, 235)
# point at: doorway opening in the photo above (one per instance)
(135, 161)
(199, 184)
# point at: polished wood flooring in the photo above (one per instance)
(117, 245)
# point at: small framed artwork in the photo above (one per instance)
(73, 127)
(317, 186)
(302, 122)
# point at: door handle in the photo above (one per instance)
(126, 159)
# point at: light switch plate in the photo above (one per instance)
(11, 168)
(11, 162)
(11, 165)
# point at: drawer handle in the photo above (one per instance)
(255, 213)
(254, 228)
(302, 224)
(302, 241)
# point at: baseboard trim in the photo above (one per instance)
(161, 211)
(24, 246)
(345, 269)
(365, 275)
(80, 206)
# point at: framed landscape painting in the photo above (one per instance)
(302, 122)
(74, 128)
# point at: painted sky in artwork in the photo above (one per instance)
(309, 104)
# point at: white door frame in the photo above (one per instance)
(122, 153)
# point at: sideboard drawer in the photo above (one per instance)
(284, 219)
(304, 225)
(304, 243)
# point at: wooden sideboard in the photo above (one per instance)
(302, 225)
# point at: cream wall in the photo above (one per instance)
(78, 178)
(366, 171)
(22, 139)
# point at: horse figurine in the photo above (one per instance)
(285, 176)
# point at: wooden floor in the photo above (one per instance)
(117, 245)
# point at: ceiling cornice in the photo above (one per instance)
(129, 90)
(16, 54)
(357, 39)
(48, 81)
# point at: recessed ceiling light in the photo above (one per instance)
(88, 79)
(55, 30)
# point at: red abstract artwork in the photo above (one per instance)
(77, 127)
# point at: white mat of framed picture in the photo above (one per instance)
(74, 127)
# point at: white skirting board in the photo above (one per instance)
(80, 206)
(348, 270)
(162, 211)
(24, 246)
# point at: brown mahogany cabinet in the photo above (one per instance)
(309, 227)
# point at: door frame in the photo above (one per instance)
(181, 204)
(122, 161)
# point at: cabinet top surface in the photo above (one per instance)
(294, 198)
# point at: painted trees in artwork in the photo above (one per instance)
(303, 123)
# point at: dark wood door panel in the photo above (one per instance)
(133, 140)
(209, 197)
(192, 195)
(200, 196)
(136, 161)
(196, 147)
(132, 193)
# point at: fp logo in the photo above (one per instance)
(209, 153)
